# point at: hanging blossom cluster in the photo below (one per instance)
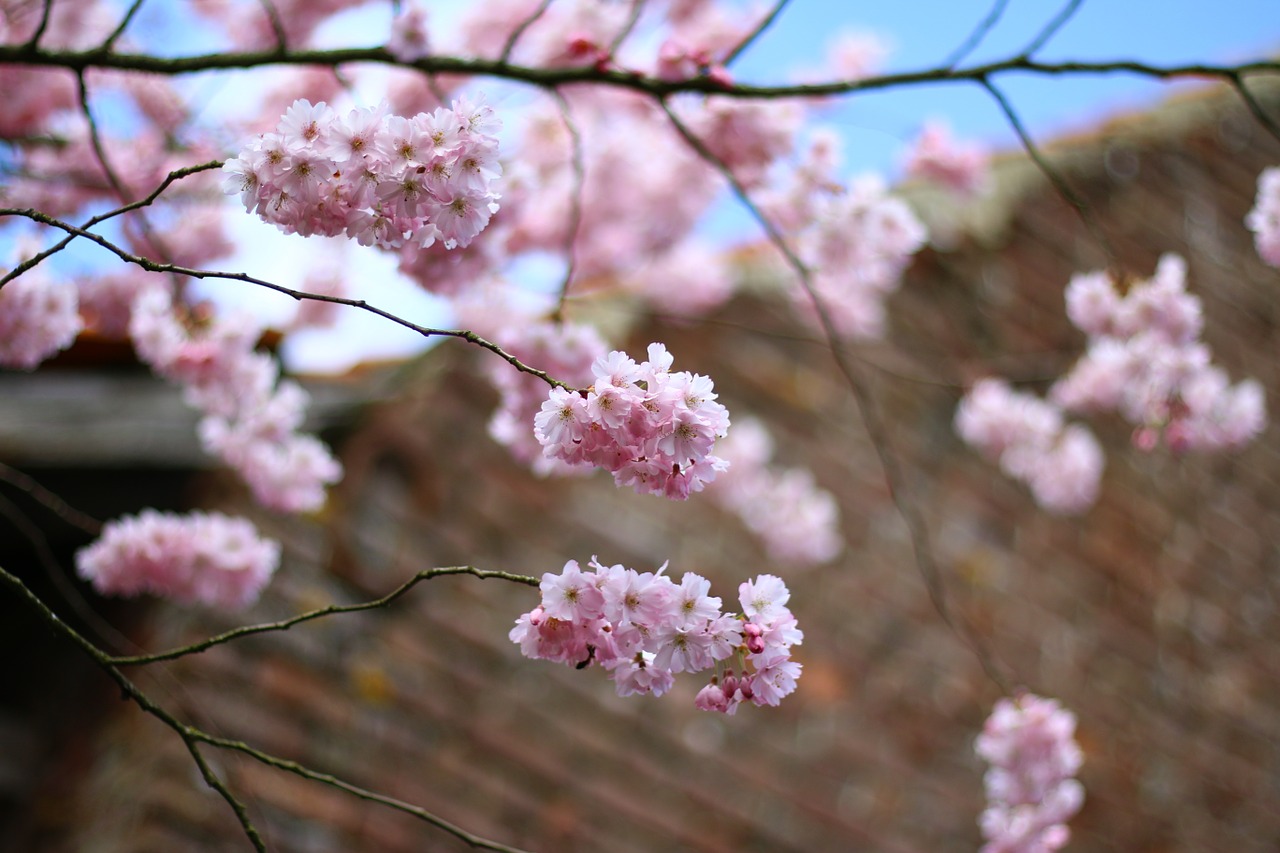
(654, 430)
(797, 521)
(251, 418)
(644, 628)
(1264, 219)
(1146, 361)
(1031, 790)
(203, 557)
(379, 178)
(38, 317)
(1061, 464)
(856, 240)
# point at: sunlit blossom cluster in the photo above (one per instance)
(381, 179)
(1264, 219)
(644, 628)
(251, 418)
(653, 429)
(798, 522)
(38, 318)
(1031, 790)
(203, 557)
(1061, 463)
(1146, 361)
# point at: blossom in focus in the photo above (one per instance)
(644, 628)
(653, 429)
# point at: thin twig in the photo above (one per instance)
(633, 17)
(34, 41)
(192, 737)
(877, 430)
(286, 624)
(750, 38)
(984, 28)
(50, 501)
(1059, 183)
(510, 45)
(578, 165)
(174, 269)
(111, 40)
(277, 25)
(1237, 83)
(175, 175)
(1051, 28)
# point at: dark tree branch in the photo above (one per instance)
(286, 624)
(174, 269)
(111, 40)
(554, 77)
(516, 33)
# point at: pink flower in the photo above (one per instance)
(937, 157)
(1030, 790)
(1264, 219)
(38, 317)
(208, 558)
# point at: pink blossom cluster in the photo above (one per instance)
(565, 351)
(409, 40)
(251, 418)
(1145, 360)
(797, 521)
(1264, 219)
(381, 179)
(856, 240)
(644, 628)
(1062, 464)
(654, 430)
(939, 158)
(1031, 790)
(204, 557)
(38, 317)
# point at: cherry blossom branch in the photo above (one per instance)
(175, 175)
(175, 269)
(620, 78)
(286, 624)
(980, 32)
(192, 737)
(877, 430)
(751, 37)
(1054, 177)
(277, 26)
